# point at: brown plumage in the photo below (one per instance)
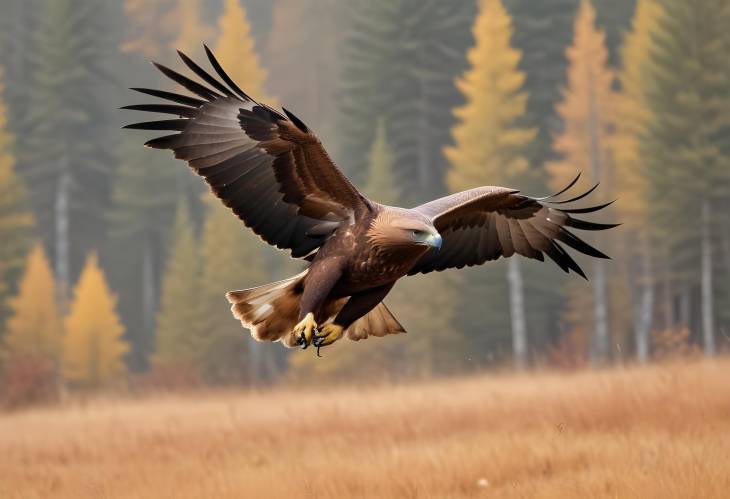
(275, 175)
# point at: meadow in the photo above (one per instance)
(661, 431)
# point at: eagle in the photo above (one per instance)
(273, 173)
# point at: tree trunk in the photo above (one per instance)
(601, 339)
(149, 299)
(517, 312)
(61, 242)
(708, 322)
(643, 312)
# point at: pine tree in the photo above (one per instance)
(237, 54)
(399, 62)
(633, 118)
(180, 337)
(147, 184)
(16, 220)
(93, 347)
(382, 185)
(231, 256)
(542, 33)
(193, 32)
(152, 26)
(687, 145)
(65, 157)
(489, 144)
(303, 42)
(587, 114)
(34, 329)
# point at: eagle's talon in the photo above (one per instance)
(305, 331)
(328, 334)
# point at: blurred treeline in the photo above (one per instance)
(414, 99)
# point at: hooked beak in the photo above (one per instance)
(434, 241)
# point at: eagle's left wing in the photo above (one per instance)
(486, 223)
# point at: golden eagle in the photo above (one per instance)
(271, 170)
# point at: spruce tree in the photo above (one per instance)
(303, 63)
(587, 111)
(34, 328)
(231, 259)
(65, 157)
(16, 219)
(381, 185)
(399, 59)
(542, 32)
(687, 145)
(180, 338)
(236, 51)
(93, 347)
(633, 118)
(489, 143)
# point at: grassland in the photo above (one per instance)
(661, 431)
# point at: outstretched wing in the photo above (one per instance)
(267, 167)
(486, 223)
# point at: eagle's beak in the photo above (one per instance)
(434, 240)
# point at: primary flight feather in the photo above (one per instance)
(270, 169)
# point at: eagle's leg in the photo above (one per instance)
(357, 306)
(305, 330)
(321, 278)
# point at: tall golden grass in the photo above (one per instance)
(660, 431)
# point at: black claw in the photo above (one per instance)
(302, 341)
(318, 347)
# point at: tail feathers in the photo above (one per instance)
(269, 311)
(378, 322)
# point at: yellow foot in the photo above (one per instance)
(305, 330)
(328, 334)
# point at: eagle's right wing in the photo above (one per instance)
(487, 223)
(267, 167)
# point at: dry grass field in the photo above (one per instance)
(661, 431)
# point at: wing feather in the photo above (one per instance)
(267, 167)
(486, 223)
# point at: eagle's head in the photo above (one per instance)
(402, 229)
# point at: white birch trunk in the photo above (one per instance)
(517, 312)
(61, 242)
(708, 322)
(601, 343)
(644, 311)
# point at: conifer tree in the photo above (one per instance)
(303, 41)
(399, 60)
(180, 339)
(542, 32)
(231, 259)
(489, 143)
(16, 219)
(687, 145)
(152, 26)
(381, 185)
(236, 51)
(587, 113)
(193, 32)
(633, 118)
(93, 347)
(34, 329)
(65, 157)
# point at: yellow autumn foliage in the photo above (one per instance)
(34, 328)
(488, 142)
(237, 54)
(633, 114)
(587, 107)
(93, 347)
